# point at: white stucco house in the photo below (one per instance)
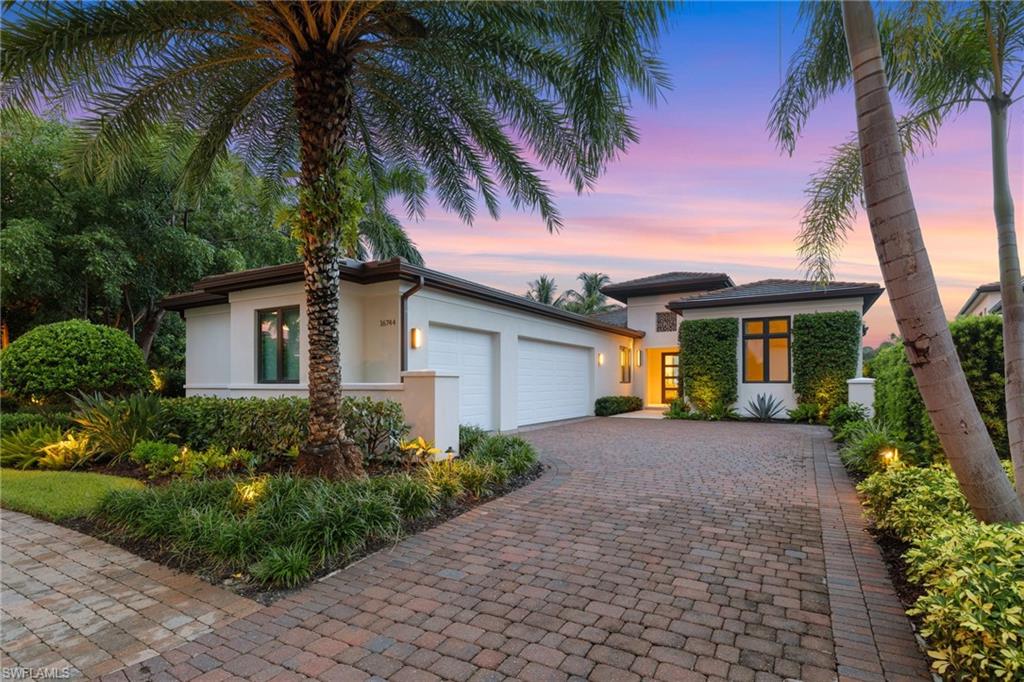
(986, 299)
(453, 351)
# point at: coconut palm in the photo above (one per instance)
(542, 290)
(465, 92)
(589, 299)
(915, 297)
(942, 59)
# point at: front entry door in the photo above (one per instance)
(669, 377)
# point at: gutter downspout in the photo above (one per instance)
(406, 295)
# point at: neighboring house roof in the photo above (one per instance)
(978, 293)
(615, 316)
(667, 283)
(779, 291)
(214, 290)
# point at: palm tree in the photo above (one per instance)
(542, 290)
(465, 92)
(942, 61)
(589, 299)
(911, 284)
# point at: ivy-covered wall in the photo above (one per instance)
(979, 344)
(825, 350)
(707, 358)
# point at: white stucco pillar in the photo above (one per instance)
(862, 392)
(431, 404)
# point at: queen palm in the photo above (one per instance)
(543, 290)
(908, 275)
(589, 299)
(942, 59)
(465, 92)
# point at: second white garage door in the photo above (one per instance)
(554, 382)
(469, 354)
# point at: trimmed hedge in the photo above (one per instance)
(825, 348)
(266, 426)
(710, 373)
(54, 360)
(979, 344)
(617, 404)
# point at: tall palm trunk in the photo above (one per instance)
(912, 290)
(323, 101)
(1010, 287)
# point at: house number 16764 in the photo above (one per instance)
(387, 323)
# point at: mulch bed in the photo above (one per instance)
(154, 551)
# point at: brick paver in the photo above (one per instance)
(70, 601)
(653, 550)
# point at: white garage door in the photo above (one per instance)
(470, 355)
(554, 382)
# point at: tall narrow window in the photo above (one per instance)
(766, 350)
(277, 349)
(625, 365)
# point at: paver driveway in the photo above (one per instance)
(653, 550)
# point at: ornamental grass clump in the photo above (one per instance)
(869, 447)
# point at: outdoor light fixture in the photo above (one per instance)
(639, 358)
(415, 337)
(890, 457)
(449, 453)
(600, 359)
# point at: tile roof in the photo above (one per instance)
(667, 283)
(778, 290)
(616, 317)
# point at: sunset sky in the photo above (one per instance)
(706, 189)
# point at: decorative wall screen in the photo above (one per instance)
(666, 322)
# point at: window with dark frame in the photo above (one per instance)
(766, 357)
(625, 366)
(277, 345)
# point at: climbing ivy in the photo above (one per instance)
(707, 358)
(825, 348)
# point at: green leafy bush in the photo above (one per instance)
(23, 448)
(866, 447)
(114, 426)
(469, 438)
(680, 409)
(617, 404)
(157, 457)
(846, 431)
(15, 421)
(765, 407)
(53, 360)
(67, 453)
(972, 611)
(806, 413)
(911, 502)
(979, 344)
(160, 458)
(707, 356)
(376, 426)
(825, 353)
(510, 453)
(841, 415)
(265, 426)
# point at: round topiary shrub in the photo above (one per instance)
(53, 360)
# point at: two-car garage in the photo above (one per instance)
(554, 381)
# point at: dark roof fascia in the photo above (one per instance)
(216, 288)
(976, 294)
(622, 292)
(870, 294)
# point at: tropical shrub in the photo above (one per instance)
(376, 426)
(444, 479)
(469, 438)
(158, 458)
(114, 426)
(825, 354)
(53, 360)
(23, 448)
(719, 411)
(709, 372)
(162, 459)
(15, 421)
(841, 415)
(68, 452)
(979, 344)
(418, 451)
(765, 407)
(478, 476)
(910, 502)
(972, 611)
(511, 454)
(807, 413)
(617, 404)
(679, 409)
(869, 447)
(846, 431)
(265, 426)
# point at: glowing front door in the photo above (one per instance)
(669, 377)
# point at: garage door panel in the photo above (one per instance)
(469, 354)
(554, 381)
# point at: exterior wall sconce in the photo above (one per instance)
(600, 359)
(415, 337)
(639, 358)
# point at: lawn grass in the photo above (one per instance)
(57, 495)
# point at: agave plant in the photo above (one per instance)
(764, 407)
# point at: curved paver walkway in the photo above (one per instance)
(653, 550)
